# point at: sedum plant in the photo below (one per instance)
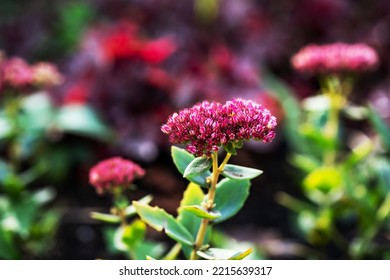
(27, 224)
(209, 130)
(114, 177)
(345, 182)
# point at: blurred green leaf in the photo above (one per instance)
(291, 108)
(199, 211)
(159, 220)
(5, 126)
(147, 248)
(323, 179)
(181, 159)
(230, 197)
(240, 172)
(5, 171)
(42, 235)
(134, 233)
(316, 138)
(37, 111)
(360, 152)
(7, 245)
(25, 211)
(198, 166)
(107, 218)
(306, 221)
(133, 237)
(43, 196)
(324, 184)
(355, 112)
(223, 254)
(221, 240)
(380, 126)
(81, 120)
(73, 19)
(34, 172)
(307, 163)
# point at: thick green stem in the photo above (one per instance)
(209, 205)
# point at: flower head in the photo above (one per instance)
(16, 73)
(46, 74)
(335, 58)
(200, 126)
(114, 172)
(208, 125)
(248, 120)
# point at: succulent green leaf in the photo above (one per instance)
(160, 220)
(198, 166)
(193, 195)
(240, 173)
(199, 211)
(230, 197)
(223, 254)
(130, 210)
(181, 159)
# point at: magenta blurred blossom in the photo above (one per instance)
(114, 172)
(208, 125)
(16, 73)
(335, 58)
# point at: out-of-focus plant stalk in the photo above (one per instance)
(333, 89)
(12, 109)
(120, 202)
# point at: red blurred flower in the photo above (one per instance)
(77, 94)
(122, 41)
(158, 50)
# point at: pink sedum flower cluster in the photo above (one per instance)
(208, 125)
(16, 73)
(114, 172)
(335, 58)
